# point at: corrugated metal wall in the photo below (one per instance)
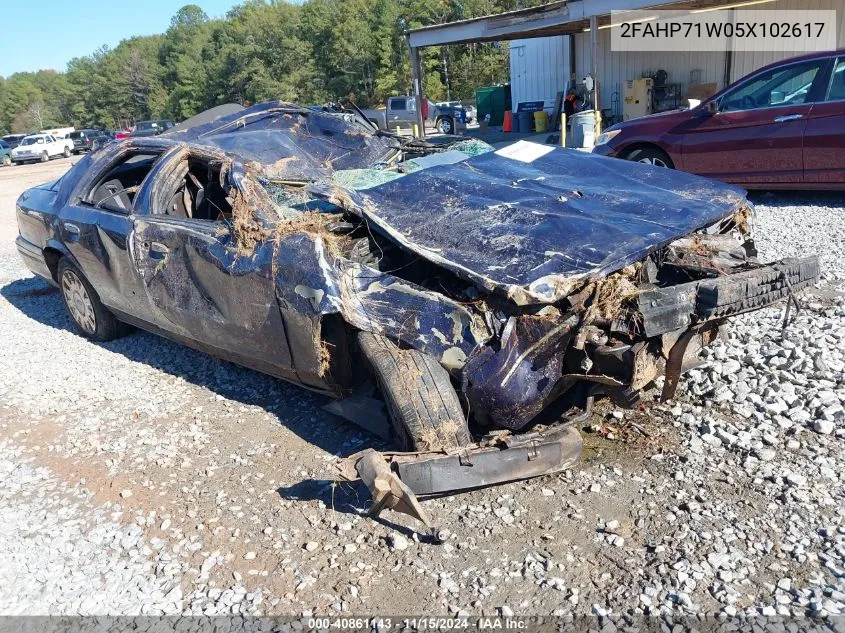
(615, 68)
(539, 69)
(745, 62)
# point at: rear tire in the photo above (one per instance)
(651, 156)
(424, 409)
(89, 315)
(445, 125)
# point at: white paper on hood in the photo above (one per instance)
(525, 151)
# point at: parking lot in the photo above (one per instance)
(140, 477)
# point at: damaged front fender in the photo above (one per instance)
(313, 282)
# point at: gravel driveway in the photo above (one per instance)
(139, 477)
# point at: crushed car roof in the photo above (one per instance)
(291, 142)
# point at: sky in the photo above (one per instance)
(48, 33)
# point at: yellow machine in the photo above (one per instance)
(637, 98)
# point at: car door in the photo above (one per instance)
(95, 227)
(756, 135)
(824, 138)
(204, 290)
(399, 113)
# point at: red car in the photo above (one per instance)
(781, 127)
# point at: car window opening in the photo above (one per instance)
(199, 194)
(117, 189)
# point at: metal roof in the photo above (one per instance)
(557, 18)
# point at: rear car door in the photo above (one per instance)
(400, 112)
(95, 226)
(824, 138)
(204, 290)
(757, 134)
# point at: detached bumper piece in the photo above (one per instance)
(510, 458)
(394, 479)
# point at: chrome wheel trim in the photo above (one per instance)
(445, 126)
(653, 161)
(78, 302)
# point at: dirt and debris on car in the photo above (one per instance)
(489, 296)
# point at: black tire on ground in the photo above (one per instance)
(445, 125)
(101, 324)
(45, 157)
(7, 160)
(66, 153)
(422, 404)
(651, 156)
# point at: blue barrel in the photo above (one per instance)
(526, 122)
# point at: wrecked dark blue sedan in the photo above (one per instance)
(486, 297)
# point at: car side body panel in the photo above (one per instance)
(761, 147)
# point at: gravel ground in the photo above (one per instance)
(141, 477)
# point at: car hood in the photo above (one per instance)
(534, 222)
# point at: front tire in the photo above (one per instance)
(7, 160)
(89, 315)
(424, 409)
(651, 156)
(66, 153)
(45, 157)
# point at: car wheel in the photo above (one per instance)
(445, 125)
(66, 153)
(83, 304)
(424, 409)
(7, 160)
(44, 157)
(651, 156)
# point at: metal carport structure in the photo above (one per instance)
(558, 18)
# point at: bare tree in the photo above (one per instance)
(35, 114)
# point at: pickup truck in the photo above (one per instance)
(41, 147)
(401, 112)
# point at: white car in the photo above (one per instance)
(41, 147)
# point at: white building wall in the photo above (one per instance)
(746, 62)
(615, 68)
(539, 69)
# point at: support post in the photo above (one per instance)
(594, 58)
(726, 80)
(416, 69)
(563, 129)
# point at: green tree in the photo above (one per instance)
(312, 52)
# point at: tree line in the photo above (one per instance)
(317, 51)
